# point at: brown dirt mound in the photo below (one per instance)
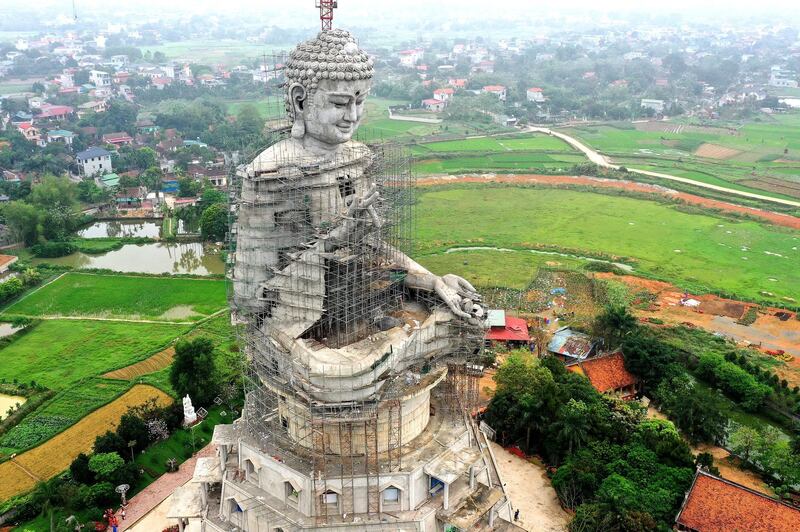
(714, 151)
(775, 218)
(156, 362)
(724, 307)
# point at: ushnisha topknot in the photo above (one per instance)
(334, 54)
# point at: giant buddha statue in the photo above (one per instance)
(336, 308)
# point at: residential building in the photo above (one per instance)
(432, 104)
(607, 374)
(535, 94)
(30, 132)
(715, 504)
(656, 105)
(410, 58)
(94, 161)
(497, 90)
(6, 261)
(107, 181)
(443, 94)
(506, 329)
(130, 198)
(60, 135)
(54, 112)
(570, 346)
(457, 83)
(100, 78)
(781, 77)
(118, 139)
(95, 106)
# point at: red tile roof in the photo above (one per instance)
(717, 505)
(494, 88)
(607, 373)
(444, 91)
(515, 330)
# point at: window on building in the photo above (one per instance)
(391, 495)
(331, 498)
(292, 494)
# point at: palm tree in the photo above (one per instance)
(573, 424)
(614, 324)
(47, 497)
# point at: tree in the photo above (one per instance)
(110, 442)
(614, 324)
(193, 372)
(188, 187)
(106, 466)
(573, 424)
(23, 220)
(133, 429)
(214, 222)
(79, 469)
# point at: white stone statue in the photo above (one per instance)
(189, 415)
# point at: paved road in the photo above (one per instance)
(600, 160)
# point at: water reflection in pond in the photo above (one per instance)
(9, 401)
(119, 229)
(149, 258)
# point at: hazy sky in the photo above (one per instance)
(454, 7)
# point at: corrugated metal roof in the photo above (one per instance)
(570, 343)
(496, 318)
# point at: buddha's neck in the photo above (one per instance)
(319, 148)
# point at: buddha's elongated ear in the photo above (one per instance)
(297, 97)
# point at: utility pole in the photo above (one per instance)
(326, 8)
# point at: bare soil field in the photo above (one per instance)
(773, 184)
(531, 493)
(160, 360)
(775, 218)
(21, 473)
(713, 151)
(670, 127)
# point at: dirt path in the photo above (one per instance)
(160, 360)
(600, 160)
(530, 492)
(775, 218)
(55, 455)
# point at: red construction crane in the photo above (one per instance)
(326, 8)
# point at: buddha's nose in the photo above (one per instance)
(352, 113)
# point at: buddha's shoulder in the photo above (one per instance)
(289, 152)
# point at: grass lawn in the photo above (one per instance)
(56, 353)
(119, 296)
(15, 87)
(226, 51)
(695, 251)
(268, 108)
(487, 268)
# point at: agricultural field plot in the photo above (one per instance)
(517, 161)
(224, 51)
(124, 297)
(61, 412)
(54, 456)
(13, 87)
(56, 353)
(697, 252)
(496, 144)
(490, 268)
(268, 108)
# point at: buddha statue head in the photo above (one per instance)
(327, 81)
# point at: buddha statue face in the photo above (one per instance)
(332, 113)
(327, 81)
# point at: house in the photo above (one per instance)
(655, 105)
(506, 329)
(60, 135)
(781, 77)
(118, 139)
(169, 184)
(569, 345)
(95, 106)
(431, 104)
(130, 198)
(10, 177)
(107, 181)
(100, 78)
(714, 504)
(160, 82)
(146, 125)
(535, 94)
(410, 58)
(443, 94)
(30, 132)
(457, 83)
(94, 161)
(54, 112)
(607, 374)
(6, 261)
(497, 90)
(487, 67)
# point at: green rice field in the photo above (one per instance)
(698, 252)
(57, 353)
(127, 297)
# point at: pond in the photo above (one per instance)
(9, 401)
(119, 229)
(158, 257)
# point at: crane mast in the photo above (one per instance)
(326, 8)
